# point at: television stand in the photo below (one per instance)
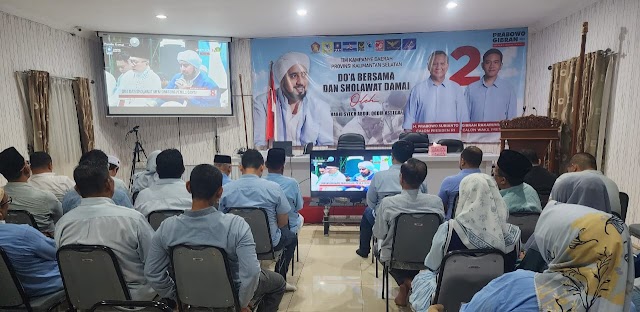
(329, 219)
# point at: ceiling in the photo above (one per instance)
(270, 18)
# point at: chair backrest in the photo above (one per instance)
(91, 274)
(463, 273)
(351, 141)
(155, 218)
(17, 216)
(526, 221)
(115, 305)
(412, 237)
(624, 204)
(453, 146)
(203, 277)
(420, 141)
(455, 204)
(259, 224)
(544, 199)
(11, 294)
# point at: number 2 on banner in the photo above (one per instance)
(474, 60)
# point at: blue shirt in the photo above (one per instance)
(385, 183)
(492, 103)
(429, 102)
(450, 188)
(166, 194)
(72, 199)
(291, 190)
(202, 81)
(225, 179)
(514, 291)
(33, 257)
(252, 191)
(207, 227)
(521, 198)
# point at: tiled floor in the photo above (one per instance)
(331, 277)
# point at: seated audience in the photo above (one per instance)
(412, 174)
(587, 191)
(509, 173)
(99, 221)
(72, 199)
(250, 191)
(583, 164)
(43, 178)
(470, 161)
(276, 159)
(146, 178)
(539, 178)
(384, 183)
(43, 205)
(480, 223)
(32, 255)
(114, 166)
(223, 163)
(588, 263)
(169, 192)
(204, 225)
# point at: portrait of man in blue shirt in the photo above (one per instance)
(192, 76)
(436, 99)
(491, 98)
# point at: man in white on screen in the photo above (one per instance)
(299, 118)
(331, 174)
(191, 76)
(140, 78)
(43, 178)
(436, 99)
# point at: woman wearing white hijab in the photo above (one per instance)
(482, 213)
(588, 253)
(147, 178)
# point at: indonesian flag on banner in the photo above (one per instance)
(271, 108)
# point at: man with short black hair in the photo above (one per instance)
(470, 161)
(412, 174)
(384, 183)
(539, 178)
(509, 174)
(491, 98)
(223, 163)
(584, 164)
(250, 191)
(43, 205)
(72, 199)
(276, 159)
(43, 178)
(169, 192)
(204, 225)
(99, 221)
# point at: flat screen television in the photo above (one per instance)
(166, 75)
(345, 173)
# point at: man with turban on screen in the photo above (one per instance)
(192, 76)
(299, 118)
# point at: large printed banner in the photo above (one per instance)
(448, 84)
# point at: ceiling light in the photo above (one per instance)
(302, 12)
(161, 16)
(451, 5)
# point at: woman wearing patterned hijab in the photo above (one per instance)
(590, 269)
(479, 200)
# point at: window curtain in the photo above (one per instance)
(64, 142)
(84, 113)
(596, 85)
(38, 96)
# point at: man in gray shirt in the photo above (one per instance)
(410, 200)
(582, 164)
(99, 221)
(203, 224)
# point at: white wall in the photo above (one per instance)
(561, 41)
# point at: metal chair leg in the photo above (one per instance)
(383, 268)
(376, 269)
(386, 284)
(297, 251)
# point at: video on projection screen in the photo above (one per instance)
(162, 75)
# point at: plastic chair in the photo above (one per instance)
(16, 216)
(156, 217)
(465, 272)
(351, 141)
(624, 205)
(259, 224)
(420, 141)
(114, 305)
(453, 146)
(526, 221)
(13, 296)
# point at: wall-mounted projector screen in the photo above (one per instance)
(166, 75)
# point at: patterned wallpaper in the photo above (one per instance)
(613, 24)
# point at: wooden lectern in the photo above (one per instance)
(539, 133)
